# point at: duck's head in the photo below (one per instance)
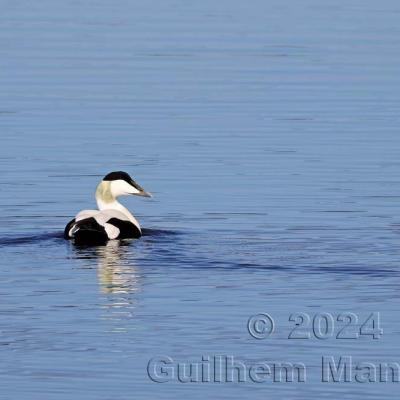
(116, 184)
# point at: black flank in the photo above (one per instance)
(126, 228)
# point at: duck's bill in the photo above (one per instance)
(144, 194)
(140, 190)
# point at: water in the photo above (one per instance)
(268, 133)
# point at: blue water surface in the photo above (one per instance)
(268, 132)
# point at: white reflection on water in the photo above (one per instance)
(118, 278)
(114, 274)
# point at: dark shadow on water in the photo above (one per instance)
(28, 239)
(159, 232)
(178, 249)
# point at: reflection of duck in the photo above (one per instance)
(112, 220)
(114, 275)
(118, 280)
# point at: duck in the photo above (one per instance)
(112, 220)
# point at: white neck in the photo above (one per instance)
(106, 201)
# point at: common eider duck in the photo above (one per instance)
(112, 220)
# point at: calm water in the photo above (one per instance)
(268, 132)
